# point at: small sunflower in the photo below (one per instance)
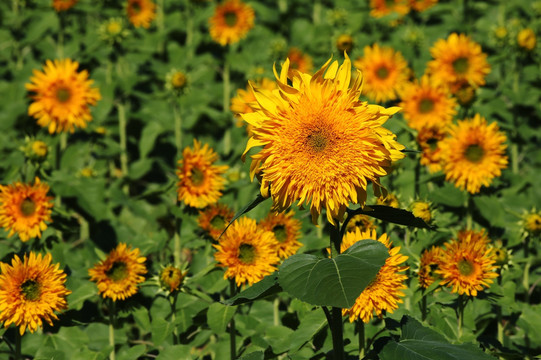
(247, 251)
(321, 145)
(214, 219)
(25, 208)
(245, 101)
(385, 73)
(141, 12)
(531, 223)
(467, 266)
(62, 96)
(171, 278)
(458, 59)
(363, 222)
(422, 5)
(389, 200)
(299, 61)
(385, 291)
(118, 276)
(63, 5)
(35, 150)
(231, 21)
(429, 139)
(286, 230)
(526, 39)
(429, 263)
(31, 291)
(113, 30)
(381, 8)
(200, 182)
(427, 105)
(474, 153)
(422, 209)
(344, 42)
(176, 81)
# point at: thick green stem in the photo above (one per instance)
(469, 205)
(336, 325)
(461, 305)
(232, 338)
(178, 127)
(226, 100)
(112, 314)
(18, 350)
(161, 26)
(173, 300)
(123, 142)
(276, 311)
(423, 307)
(362, 338)
(189, 29)
(514, 158)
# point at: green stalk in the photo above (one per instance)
(189, 29)
(316, 14)
(178, 127)
(123, 142)
(362, 339)
(161, 26)
(18, 347)
(468, 206)
(177, 247)
(112, 310)
(232, 339)
(461, 305)
(423, 307)
(226, 100)
(276, 311)
(173, 301)
(336, 325)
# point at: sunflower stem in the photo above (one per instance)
(161, 27)
(336, 326)
(316, 14)
(232, 339)
(178, 127)
(173, 301)
(189, 29)
(468, 206)
(461, 305)
(60, 41)
(177, 247)
(362, 339)
(18, 346)
(423, 307)
(123, 142)
(276, 311)
(226, 100)
(112, 311)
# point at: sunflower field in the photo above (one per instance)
(274, 179)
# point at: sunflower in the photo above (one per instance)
(63, 5)
(429, 263)
(119, 274)
(171, 278)
(286, 230)
(385, 290)
(385, 73)
(458, 59)
(422, 5)
(200, 182)
(176, 81)
(422, 209)
(245, 101)
(428, 139)
(25, 208)
(321, 145)
(380, 8)
(363, 222)
(476, 236)
(141, 12)
(344, 42)
(113, 30)
(467, 266)
(231, 21)
(389, 200)
(427, 105)
(473, 154)
(299, 61)
(31, 291)
(526, 39)
(62, 96)
(214, 219)
(531, 222)
(247, 251)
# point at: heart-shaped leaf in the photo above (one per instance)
(333, 282)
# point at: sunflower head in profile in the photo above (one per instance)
(423, 210)
(344, 42)
(526, 39)
(214, 218)
(171, 278)
(320, 144)
(118, 276)
(286, 230)
(232, 20)
(200, 181)
(425, 104)
(428, 139)
(385, 73)
(384, 293)
(31, 291)
(531, 223)
(247, 251)
(141, 12)
(429, 263)
(458, 59)
(62, 96)
(113, 30)
(299, 60)
(63, 5)
(25, 209)
(467, 266)
(473, 154)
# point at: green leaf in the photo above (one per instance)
(333, 282)
(219, 315)
(448, 195)
(131, 353)
(420, 343)
(267, 286)
(175, 352)
(310, 325)
(148, 138)
(491, 208)
(256, 355)
(258, 200)
(161, 329)
(393, 215)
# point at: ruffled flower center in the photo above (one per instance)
(280, 233)
(317, 141)
(28, 207)
(63, 94)
(426, 106)
(382, 72)
(217, 222)
(474, 153)
(117, 272)
(230, 19)
(31, 290)
(247, 253)
(460, 65)
(197, 177)
(465, 267)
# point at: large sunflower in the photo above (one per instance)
(31, 291)
(467, 266)
(385, 291)
(429, 263)
(321, 145)
(427, 105)
(247, 251)
(141, 12)
(63, 5)
(474, 153)
(62, 96)
(214, 219)
(200, 182)
(458, 59)
(119, 274)
(25, 208)
(429, 139)
(385, 73)
(231, 21)
(286, 230)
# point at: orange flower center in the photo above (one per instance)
(230, 19)
(118, 271)
(31, 290)
(28, 207)
(426, 106)
(246, 253)
(465, 267)
(280, 233)
(460, 65)
(217, 222)
(63, 94)
(197, 177)
(382, 72)
(317, 141)
(474, 153)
